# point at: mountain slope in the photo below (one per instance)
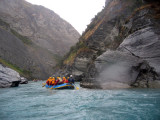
(33, 37)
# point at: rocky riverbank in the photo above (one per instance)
(10, 78)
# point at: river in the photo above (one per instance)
(34, 102)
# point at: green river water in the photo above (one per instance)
(34, 102)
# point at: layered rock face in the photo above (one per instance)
(8, 77)
(33, 37)
(123, 41)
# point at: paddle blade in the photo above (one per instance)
(77, 88)
(43, 84)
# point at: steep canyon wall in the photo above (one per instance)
(120, 47)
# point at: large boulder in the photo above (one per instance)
(24, 80)
(115, 69)
(8, 77)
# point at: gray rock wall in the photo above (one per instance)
(135, 62)
(13, 50)
(124, 38)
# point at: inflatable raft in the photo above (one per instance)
(61, 86)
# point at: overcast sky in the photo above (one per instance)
(77, 12)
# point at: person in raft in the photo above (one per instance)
(58, 81)
(71, 80)
(53, 81)
(65, 80)
(48, 82)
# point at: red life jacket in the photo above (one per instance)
(47, 82)
(56, 82)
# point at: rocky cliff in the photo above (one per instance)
(120, 47)
(33, 38)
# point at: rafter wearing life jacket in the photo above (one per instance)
(65, 80)
(48, 81)
(53, 81)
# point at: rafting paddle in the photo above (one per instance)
(76, 86)
(43, 84)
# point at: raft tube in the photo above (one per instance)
(61, 86)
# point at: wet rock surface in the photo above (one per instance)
(23, 80)
(8, 77)
(115, 69)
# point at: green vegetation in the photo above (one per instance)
(95, 21)
(70, 59)
(24, 39)
(58, 59)
(22, 72)
(3, 23)
(71, 55)
(81, 46)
